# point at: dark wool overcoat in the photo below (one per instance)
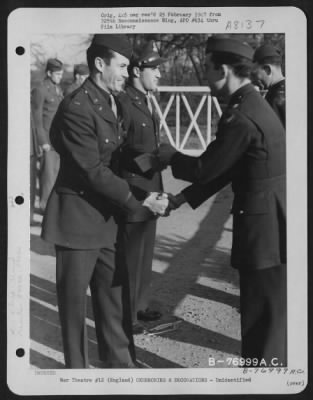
(250, 153)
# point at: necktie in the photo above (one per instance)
(58, 91)
(148, 101)
(113, 105)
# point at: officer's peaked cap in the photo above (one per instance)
(229, 45)
(147, 56)
(118, 43)
(264, 51)
(53, 64)
(81, 69)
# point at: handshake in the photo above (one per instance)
(161, 204)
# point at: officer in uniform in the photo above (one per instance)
(34, 154)
(80, 72)
(268, 69)
(83, 207)
(249, 153)
(137, 233)
(45, 101)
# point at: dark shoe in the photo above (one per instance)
(149, 315)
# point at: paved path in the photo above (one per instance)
(192, 280)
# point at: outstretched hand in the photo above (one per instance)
(173, 204)
(157, 203)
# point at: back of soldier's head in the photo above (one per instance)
(232, 52)
(267, 54)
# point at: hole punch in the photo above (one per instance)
(20, 352)
(19, 200)
(20, 50)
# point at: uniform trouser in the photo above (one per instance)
(263, 307)
(32, 189)
(49, 168)
(137, 243)
(75, 270)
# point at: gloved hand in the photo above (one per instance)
(156, 202)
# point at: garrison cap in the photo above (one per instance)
(118, 43)
(53, 64)
(264, 51)
(81, 69)
(147, 56)
(228, 45)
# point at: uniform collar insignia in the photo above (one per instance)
(100, 100)
(228, 117)
(237, 97)
(96, 94)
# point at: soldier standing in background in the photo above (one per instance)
(80, 72)
(34, 154)
(45, 101)
(137, 233)
(268, 70)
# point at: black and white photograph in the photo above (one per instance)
(154, 215)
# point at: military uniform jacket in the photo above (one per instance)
(142, 137)
(88, 193)
(277, 98)
(45, 101)
(249, 152)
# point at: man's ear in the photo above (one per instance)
(136, 72)
(99, 64)
(49, 73)
(224, 70)
(268, 69)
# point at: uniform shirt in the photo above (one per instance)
(250, 153)
(45, 101)
(277, 99)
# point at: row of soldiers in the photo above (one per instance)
(47, 96)
(87, 133)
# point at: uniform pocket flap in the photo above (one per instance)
(250, 203)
